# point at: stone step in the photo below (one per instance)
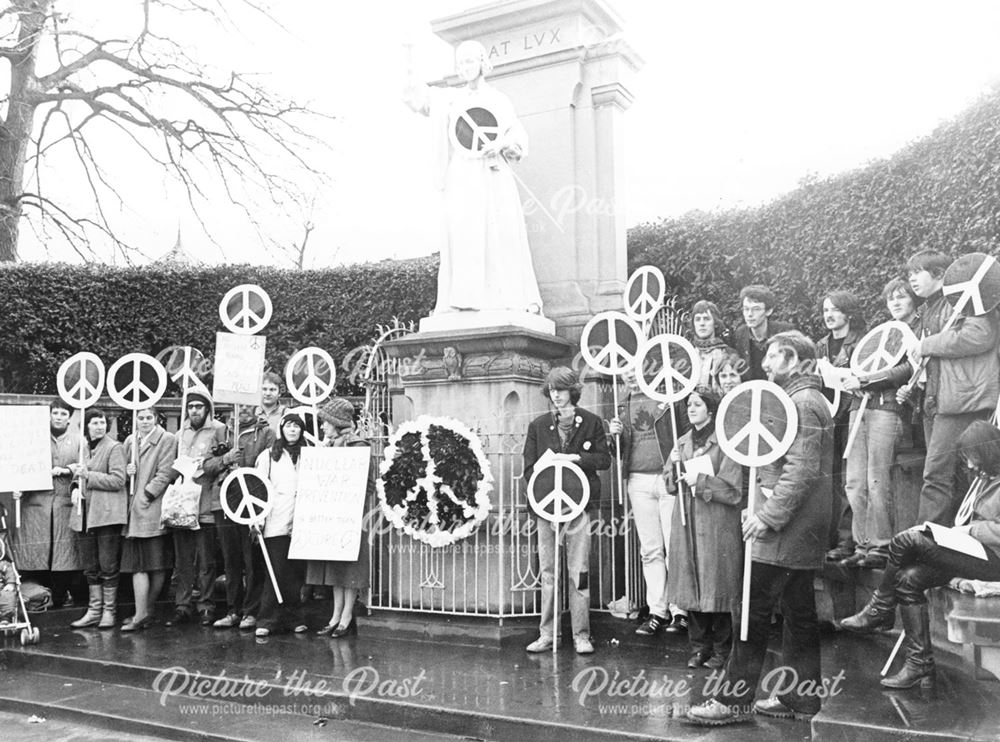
(127, 710)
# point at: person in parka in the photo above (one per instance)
(202, 438)
(45, 545)
(100, 520)
(789, 529)
(242, 559)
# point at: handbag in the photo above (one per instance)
(181, 504)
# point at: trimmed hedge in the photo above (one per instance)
(52, 311)
(852, 231)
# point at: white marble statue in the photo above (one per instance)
(485, 258)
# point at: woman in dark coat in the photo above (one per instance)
(345, 577)
(706, 553)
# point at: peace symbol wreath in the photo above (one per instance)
(435, 481)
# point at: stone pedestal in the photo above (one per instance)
(487, 378)
(567, 70)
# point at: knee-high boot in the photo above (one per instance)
(110, 606)
(919, 665)
(94, 604)
(878, 614)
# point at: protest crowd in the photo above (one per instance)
(687, 495)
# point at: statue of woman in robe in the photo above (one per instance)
(485, 259)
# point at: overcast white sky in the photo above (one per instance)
(737, 102)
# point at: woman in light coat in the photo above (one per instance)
(148, 552)
(99, 527)
(280, 464)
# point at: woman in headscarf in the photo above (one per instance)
(346, 578)
(280, 464)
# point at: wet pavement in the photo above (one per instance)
(631, 688)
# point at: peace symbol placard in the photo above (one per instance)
(883, 347)
(310, 375)
(184, 364)
(474, 128)
(246, 496)
(644, 293)
(554, 495)
(972, 283)
(756, 423)
(675, 366)
(81, 380)
(610, 342)
(245, 309)
(239, 365)
(136, 381)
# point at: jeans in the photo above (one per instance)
(575, 558)
(792, 590)
(869, 478)
(101, 553)
(937, 497)
(917, 563)
(652, 508)
(841, 529)
(191, 547)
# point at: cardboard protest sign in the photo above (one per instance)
(330, 503)
(239, 365)
(25, 448)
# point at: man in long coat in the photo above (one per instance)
(44, 545)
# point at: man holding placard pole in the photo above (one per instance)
(788, 529)
(963, 379)
(571, 434)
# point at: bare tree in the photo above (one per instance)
(215, 134)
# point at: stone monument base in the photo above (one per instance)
(482, 320)
(488, 377)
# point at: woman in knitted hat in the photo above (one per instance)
(280, 465)
(706, 552)
(346, 578)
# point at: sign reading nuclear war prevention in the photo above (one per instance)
(330, 503)
(239, 365)
(25, 448)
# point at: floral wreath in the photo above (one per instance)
(434, 481)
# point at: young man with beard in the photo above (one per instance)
(571, 434)
(200, 437)
(751, 339)
(788, 529)
(45, 546)
(963, 381)
(842, 317)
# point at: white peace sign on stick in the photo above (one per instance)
(310, 375)
(623, 339)
(668, 374)
(136, 381)
(883, 347)
(980, 289)
(558, 505)
(81, 380)
(644, 293)
(239, 502)
(246, 508)
(245, 309)
(762, 413)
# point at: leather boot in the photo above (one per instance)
(94, 604)
(110, 606)
(919, 665)
(878, 614)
